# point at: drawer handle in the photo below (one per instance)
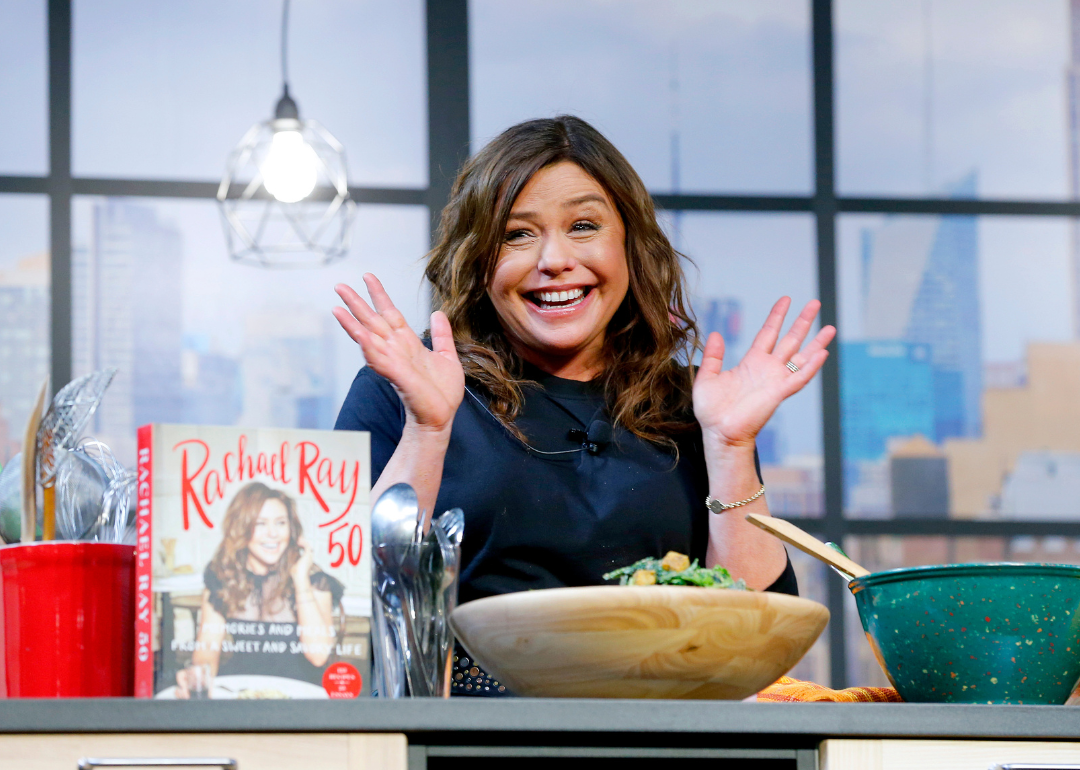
(1029, 766)
(89, 763)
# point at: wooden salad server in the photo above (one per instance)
(807, 543)
(29, 488)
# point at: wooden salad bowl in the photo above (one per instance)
(638, 641)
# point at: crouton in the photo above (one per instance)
(675, 562)
(643, 577)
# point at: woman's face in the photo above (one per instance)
(561, 273)
(271, 535)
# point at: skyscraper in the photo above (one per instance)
(918, 368)
(921, 285)
(24, 345)
(128, 284)
(888, 391)
(287, 369)
(213, 391)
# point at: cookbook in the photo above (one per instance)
(253, 572)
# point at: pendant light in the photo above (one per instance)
(284, 198)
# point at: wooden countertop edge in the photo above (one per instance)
(525, 715)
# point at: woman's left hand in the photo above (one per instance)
(301, 571)
(732, 406)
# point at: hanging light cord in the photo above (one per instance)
(284, 45)
(286, 107)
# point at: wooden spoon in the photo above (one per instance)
(807, 543)
(29, 489)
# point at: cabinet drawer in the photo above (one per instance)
(941, 755)
(252, 751)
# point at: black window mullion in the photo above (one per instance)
(747, 203)
(825, 209)
(172, 188)
(958, 207)
(448, 98)
(24, 184)
(60, 190)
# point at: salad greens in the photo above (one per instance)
(675, 572)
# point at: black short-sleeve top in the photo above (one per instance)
(251, 628)
(576, 500)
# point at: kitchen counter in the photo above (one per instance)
(628, 722)
(492, 731)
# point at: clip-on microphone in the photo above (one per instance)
(595, 439)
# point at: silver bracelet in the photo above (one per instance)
(718, 507)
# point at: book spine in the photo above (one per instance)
(144, 598)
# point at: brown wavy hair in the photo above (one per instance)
(649, 341)
(230, 559)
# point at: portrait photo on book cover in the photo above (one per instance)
(256, 605)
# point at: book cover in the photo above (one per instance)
(253, 575)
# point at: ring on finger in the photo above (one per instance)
(791, 365)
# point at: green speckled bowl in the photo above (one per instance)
(975, 633)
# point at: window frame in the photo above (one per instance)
(447, 67)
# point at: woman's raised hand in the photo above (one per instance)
(431, 383)
(732, 406)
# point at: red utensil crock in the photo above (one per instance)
(67, 623)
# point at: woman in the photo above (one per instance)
(262, 586)
(555, 404)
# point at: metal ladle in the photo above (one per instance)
(393, 527)
(394, 516)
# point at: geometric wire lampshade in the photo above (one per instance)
(284, 197)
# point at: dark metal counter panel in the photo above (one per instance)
(522, 720)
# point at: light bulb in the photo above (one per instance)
(291, 167)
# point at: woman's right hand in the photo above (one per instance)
(431, 383)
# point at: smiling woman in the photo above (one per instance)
(554, 401)
(561, 272)
(543, 173)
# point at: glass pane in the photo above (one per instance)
(24, 87)
(959, 367)
(167, 89)
(957, 98)
(24, 313)
(700, 96)
(742, 264)
(198, 338)
(890, 552)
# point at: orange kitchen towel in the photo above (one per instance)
(788, 690)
